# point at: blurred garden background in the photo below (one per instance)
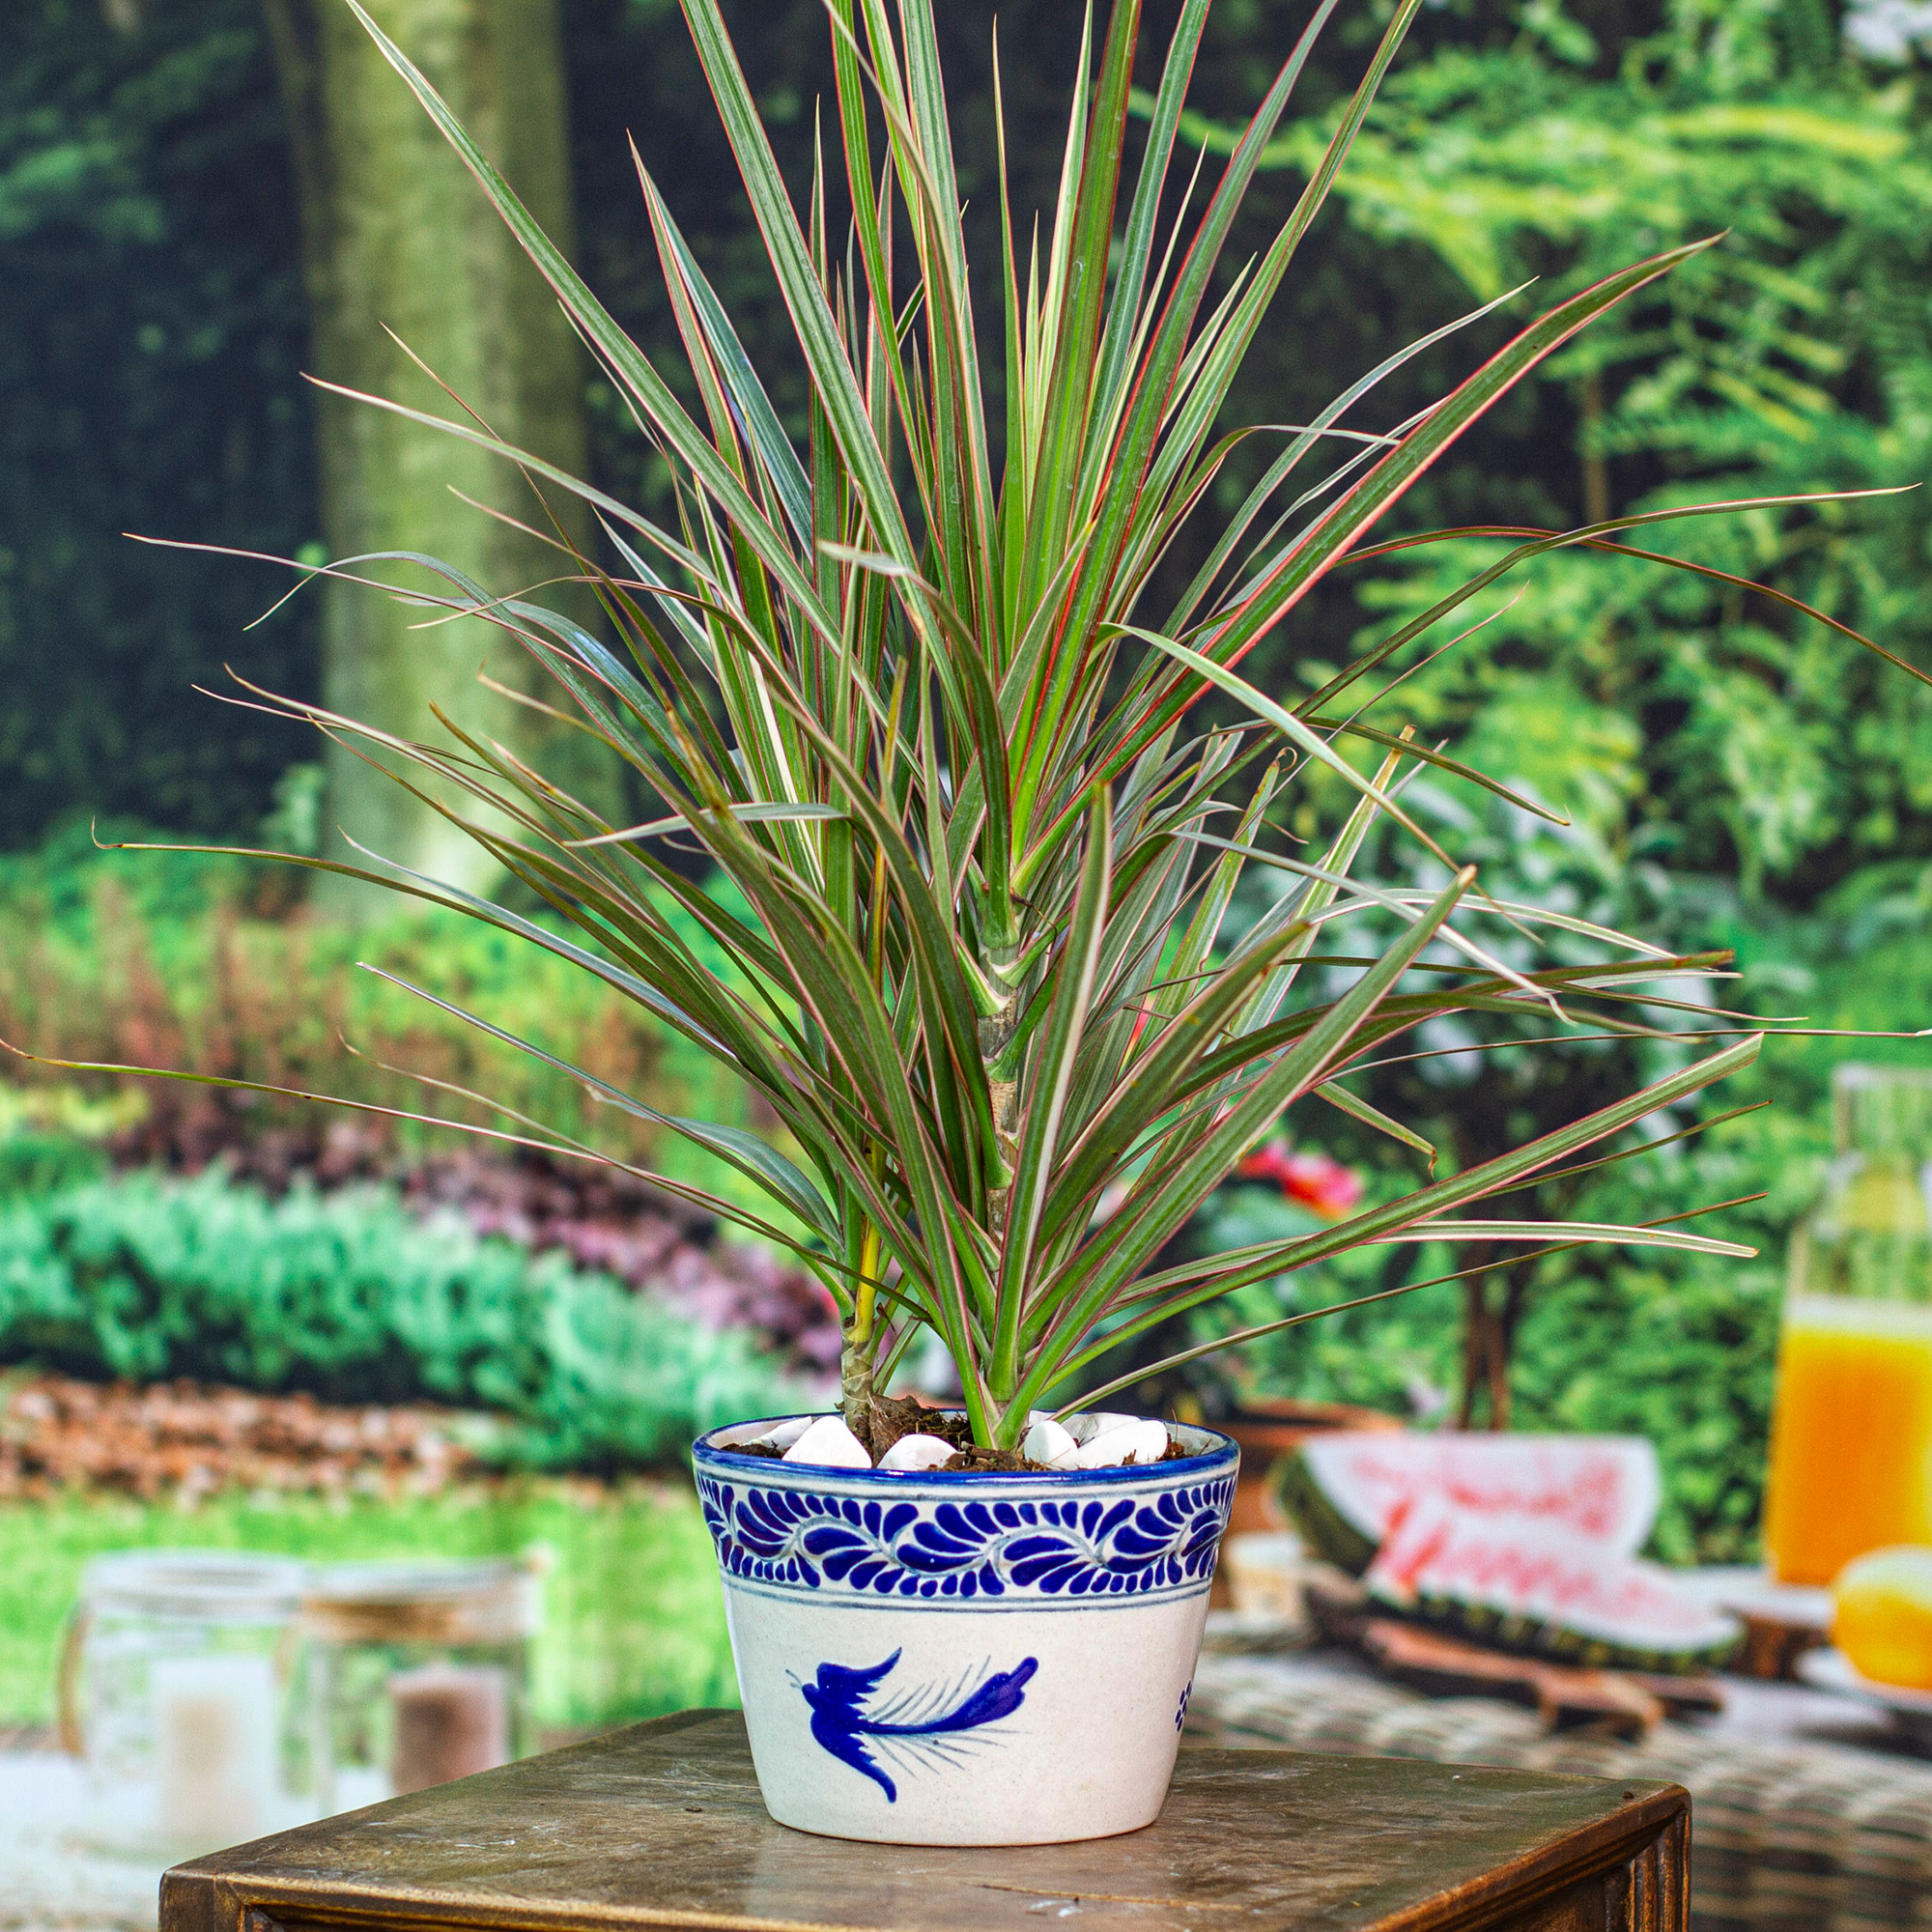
(431, 1346)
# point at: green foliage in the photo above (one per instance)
(55, 1137)
(1720, 731)
(1677, 1348)
(156, 327)
(38, 1161)
(152, 324)
(352, 1299)
(1698, 736)
(1733, 778)
(149, 381)
(923, 711)
(1684, 1359)
(633, 1619)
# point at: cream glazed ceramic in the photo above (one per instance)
(968, 1660)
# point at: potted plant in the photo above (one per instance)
(904, 681)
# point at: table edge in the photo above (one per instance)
(1597, 1848)
(196, 1899)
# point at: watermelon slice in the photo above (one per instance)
(1530, 1582)
(1345, 1489)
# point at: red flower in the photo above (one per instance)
(1325, 1185)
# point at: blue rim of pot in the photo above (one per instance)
(1225, 1451)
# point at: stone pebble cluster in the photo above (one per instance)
(1097, 1441)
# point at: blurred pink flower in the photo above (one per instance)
(1325, 1185)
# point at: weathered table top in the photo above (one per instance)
(661, 1825)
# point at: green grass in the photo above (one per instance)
(634, 1621)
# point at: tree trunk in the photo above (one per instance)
(1596, 465)
(1489, 1340)
(397, 236)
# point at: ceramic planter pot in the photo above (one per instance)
(970, 1660)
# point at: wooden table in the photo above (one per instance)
(662, 1826)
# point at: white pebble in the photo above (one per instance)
(1048, 1442)
(917, 1452)
(830, 1445)
(1131, 1442)
(783, 1434)
(1084, 1428)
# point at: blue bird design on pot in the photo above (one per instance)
(903, 1730)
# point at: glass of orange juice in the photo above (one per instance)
(1851, 1445)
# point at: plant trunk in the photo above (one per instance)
(397, 236)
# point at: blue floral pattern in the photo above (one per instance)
(1031, 1547)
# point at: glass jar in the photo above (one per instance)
(418, 1673)
(175, 1690)
(1851, 1460)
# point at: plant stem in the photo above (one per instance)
(856, 1360)
(859, 1342)
(999, 1051)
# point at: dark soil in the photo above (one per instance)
(893, 1416)
(975, 1460)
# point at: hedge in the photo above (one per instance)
(350, 1298)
